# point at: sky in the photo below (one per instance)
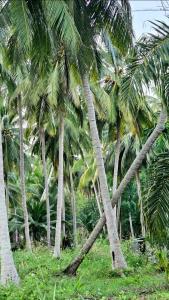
(141, 18)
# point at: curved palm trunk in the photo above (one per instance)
(60, 191)
(22, 179)
(73, 201)
(119, 262)
(138, 184)
(111, 224)
(42, 138)
(72, 268)
(8, 270)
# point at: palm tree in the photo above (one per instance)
(145, 66)
(72, 268)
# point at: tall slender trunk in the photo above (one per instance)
(102, 175)
(42, 139)
(138, 184)
(16, 230)
(119, 258)
(97, 199)
(72, 267)
(73, 202)
(131, 226)
(60, 191)
(22, 178)
(49, 179)
(63, 220)
(115, 174)
(8, 270)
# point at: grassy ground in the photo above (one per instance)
(95, 280)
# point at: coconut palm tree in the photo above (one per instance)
(143, 67)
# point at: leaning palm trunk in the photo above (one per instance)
(138, 184)
(8, 270)
(73, 202)
(120, 262)
(72, 268)
(22, 179)
(42, 138)
(111, 224)
(60, 191)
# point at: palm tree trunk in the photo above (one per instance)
(60, 191)
(73, 201)
(63, 220)
(72, 267)
(97, 199)
(42, 139)
(22, 178)
(119, 258)
(16, 231)
(8, 270)
(111, 224)
(49, 179)
(138, 184)
(131, 226)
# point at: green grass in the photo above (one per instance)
(95, 280)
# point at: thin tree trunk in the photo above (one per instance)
(97, 199)
(111, 224)
(42, 139)
(60, 191)
(49, 179)
(8, 270)
(119, 258)
(16, 231)
(131, 226)
(63, 220)
(72, 267)
(22, 178)
(73, 201)
(138, 184)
